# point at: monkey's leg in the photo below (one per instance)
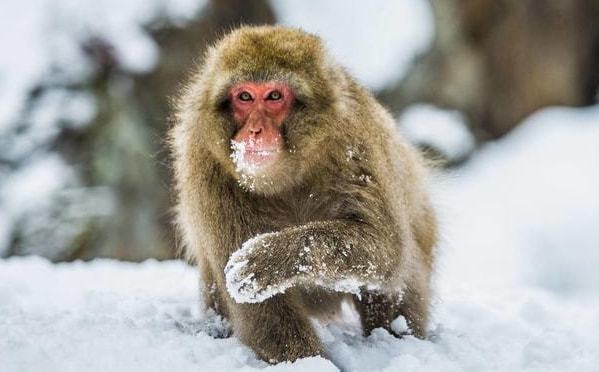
(414, 307)
(377, 309)
(276, 329)
(210, 291)
(214, 300)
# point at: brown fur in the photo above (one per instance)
(346, 199)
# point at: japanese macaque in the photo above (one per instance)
(295, 192)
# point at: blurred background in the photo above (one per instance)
(84, 105)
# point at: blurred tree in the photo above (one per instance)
(121, 150)
(499, 60)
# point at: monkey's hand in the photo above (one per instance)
(255, 272)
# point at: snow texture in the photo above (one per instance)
(238, 156)
(377, 42)
(444, 130)
(517, 286)
(251, 165)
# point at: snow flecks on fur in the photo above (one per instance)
(246, 170)
(347, 285)
(238, 156)
(365, 178)
(243, 287)
(349, 154)
(249, 172)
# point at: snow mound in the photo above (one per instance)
(109, 315)
(525, 210)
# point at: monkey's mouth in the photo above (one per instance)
(249, 158)
(260, 157)
(262, 152)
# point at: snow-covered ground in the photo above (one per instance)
(517, 282)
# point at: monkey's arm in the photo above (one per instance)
(340, 255)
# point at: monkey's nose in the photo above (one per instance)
(256, 130)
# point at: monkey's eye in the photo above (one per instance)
(245, 96)
(275, 95)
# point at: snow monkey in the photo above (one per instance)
(295, 193)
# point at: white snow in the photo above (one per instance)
(376, 41)
(444, 130)
(517, 282)
(242, 165)
(529, 202)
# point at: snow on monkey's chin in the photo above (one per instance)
(254, 164)
(252, 157)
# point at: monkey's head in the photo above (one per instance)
(261, 105)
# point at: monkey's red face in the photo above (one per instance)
(259, 110)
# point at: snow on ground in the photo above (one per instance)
(517, 284)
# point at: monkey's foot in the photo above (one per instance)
(250, 277)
